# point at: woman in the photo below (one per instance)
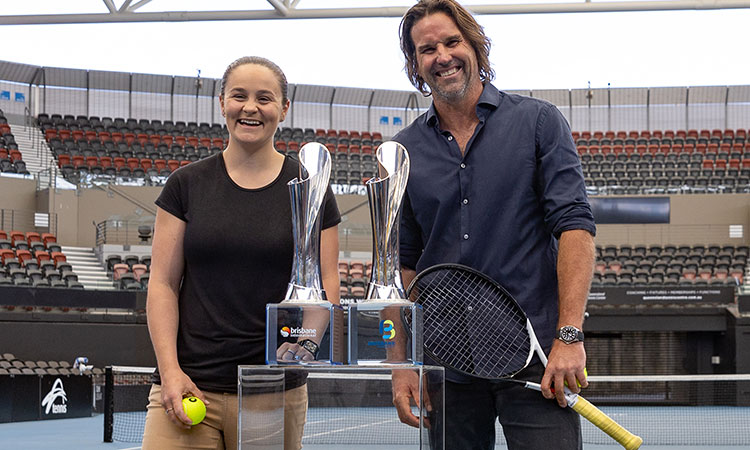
(222, 250)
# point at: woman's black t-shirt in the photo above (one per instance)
(238, 251)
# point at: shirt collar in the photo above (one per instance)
(489, 100)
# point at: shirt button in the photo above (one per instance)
(463, 166)
(466, 236)
(450, 138)
(466, 201)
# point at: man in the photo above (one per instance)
(495, 184)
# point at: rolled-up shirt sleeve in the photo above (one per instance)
(410, 241)
(561, 181)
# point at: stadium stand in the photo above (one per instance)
(11, 159)
(114, 166)
(34, 259)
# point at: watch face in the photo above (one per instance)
(310, 346)
(568, 334)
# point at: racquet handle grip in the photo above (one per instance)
(605, 423)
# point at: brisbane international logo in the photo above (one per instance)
(298, 332)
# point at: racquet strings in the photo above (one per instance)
(470, 323)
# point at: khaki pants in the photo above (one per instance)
(218, 431)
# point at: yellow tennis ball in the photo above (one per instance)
(585, 372)
(194, 408)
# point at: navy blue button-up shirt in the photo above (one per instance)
(501, 206)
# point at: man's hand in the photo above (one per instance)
(565, 364)
(405, 393)
(293, 352)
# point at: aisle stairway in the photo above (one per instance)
(92, 274)
(36, 154)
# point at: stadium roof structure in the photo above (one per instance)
(148, 10)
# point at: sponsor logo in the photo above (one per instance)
(386, 329)
(387, 332)
(56, 393)
(298, 332)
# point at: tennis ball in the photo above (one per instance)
(585, 372)
(194, 408)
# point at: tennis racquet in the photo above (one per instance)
(474, 326)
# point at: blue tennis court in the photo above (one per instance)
(662, 428)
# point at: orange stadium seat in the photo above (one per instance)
(23, 256)
(42, 255)
(63, 159)
(57, 257)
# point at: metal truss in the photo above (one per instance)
(128, 11)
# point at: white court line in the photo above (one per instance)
(351, 428)
(313, 422)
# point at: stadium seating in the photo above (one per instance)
(34, 259)
(11, 159)
(619, 163)
(354, 276)
(129, 272)
(90, 146)
(698, 264)
(12, 365)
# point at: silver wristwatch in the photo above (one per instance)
(570, 334)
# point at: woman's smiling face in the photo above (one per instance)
(253, 104)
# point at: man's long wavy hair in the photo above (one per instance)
(466, 24)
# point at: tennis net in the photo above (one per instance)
(126, 391)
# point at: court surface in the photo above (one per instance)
(86, 433)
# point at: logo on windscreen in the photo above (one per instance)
(56, 393)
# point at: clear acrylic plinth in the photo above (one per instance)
(293, 322)
(384, 333)
(348, 407)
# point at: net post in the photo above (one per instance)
(109, 397)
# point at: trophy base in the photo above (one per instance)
(290, 323)
(348, 407)
(385, 333)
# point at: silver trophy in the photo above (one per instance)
(307, 193)
(305, 327)
(385, 327)
(385, 193)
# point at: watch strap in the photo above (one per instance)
(310, 345)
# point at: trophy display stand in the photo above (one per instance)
(385, 327)
(292, 322)
(348, 407)
(385, 333)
